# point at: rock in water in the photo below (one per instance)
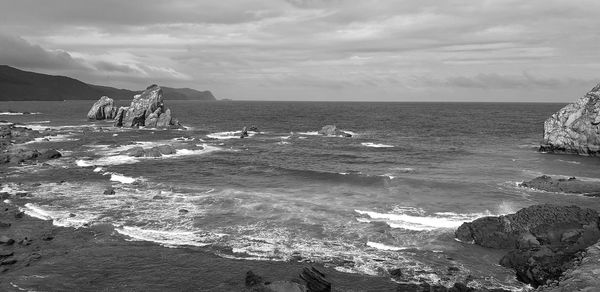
(332, 130)
(315, 280)
(575, 128)
(571, 185)
(118, 121)
(103, 109)
(147, 109)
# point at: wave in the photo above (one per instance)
(64, 219)
(419, 220)
(120, 178)
(11, 113)
(349, 177)
(55, 138)
(229, 135)
(382, 246)
(374, 145)
(312, 133)
(171, 238)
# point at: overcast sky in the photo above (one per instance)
(385, 50)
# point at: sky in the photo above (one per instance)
(328, 50)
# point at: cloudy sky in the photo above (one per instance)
(371, 50)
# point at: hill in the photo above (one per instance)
(17, 84)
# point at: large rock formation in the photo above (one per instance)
(575, 127)
(543, 238)
(102, 109)
(147, 109)
(571, 185)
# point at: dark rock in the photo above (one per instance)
(47, 236)
(571, 185)
(135, 152)
(147, 109)
(102, 109)
(19, 215)
(72, 215)
(253, 128)
(11, 261)
(396, 273)
(244, 133)
(109, 191)
(315, 280)
(183, 211)
(165, 149)
(5, 240)
(543, 238)
(21, 195)
(4, 224)
(157, 197)
(36, 184)
(253, 279)
(576, 127)
(49, 154)
(118, 121)
(5, 253)
(4, 195)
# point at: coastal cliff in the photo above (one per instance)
(576, 127)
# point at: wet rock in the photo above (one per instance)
(396, 273)
(576, 127)
(157, 197)
(10, 261)
(5, 240)
(4, 224)
(19, 215)
(543, 238)
(253, 279)
(71, 215)
(570, 185)
(49, 154)
(165, 149)
(109, 191)
(118, 121)
(135, 152)
(244, 133)
(47, 236)
(152, 152)
(102, 109)
(315, 280)
(183, 211)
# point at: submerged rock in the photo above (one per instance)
(571, 185)
(147, 109)
(332, 130)
(576, 127)
(102, 109)
(543, 238)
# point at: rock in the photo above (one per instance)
(543, 238)
(253, 279)
(109, 191)
(135, 152)
(183, 211)
(5, 240)
(49, 154)
(165, 149)
(152, 152)
(147, 109)
(244, 133)
(576, 127)
(118, 121)
(332, 130)
(253, 128)
(4, 224)
(102, 109)
(315, 280)
(5, 253)
(396, 274)
(571, 185)
(8, 262)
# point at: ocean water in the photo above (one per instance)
(389, 197)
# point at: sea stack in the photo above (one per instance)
(102, 109)
(576, 127)
(147, 109)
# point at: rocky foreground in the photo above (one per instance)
(571, 185)
(544, 241)
(11, 136)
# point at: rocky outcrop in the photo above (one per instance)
(571, 185)
(576, 127)
(102, 109)
(21, 155)
(581, 276)
(156, 151)
(148, 110)
(118, 121)
(543, 238)
(332, 130)
(12, 134)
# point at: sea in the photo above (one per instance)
(391, 196)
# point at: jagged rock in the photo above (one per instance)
(543, 238)
(109, 191)
(315, 280)
(332, 130)
(576, 127)
(102, 109)
(147, 109)
(570, 185)
(165, 149)
(118, 121)
(244, 133)
(49, 154)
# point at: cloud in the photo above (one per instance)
(18, 52)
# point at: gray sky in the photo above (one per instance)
(371, 50)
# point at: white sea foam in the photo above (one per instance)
(374, 145)
(422, 222)
(98, 169)
(16, 114)
(313, 133)
(37, 212)
(382, 246)
(55, 138)
(171, 237)
(121, 178)
(229, 135)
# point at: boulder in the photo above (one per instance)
(315, 280)
(576, 127)
(244, 133)
(135, 152)
(102, 109)
(47, 154)
(166, 149)
(165, 120)
(332, 130)
(543, 238)
(571, 185)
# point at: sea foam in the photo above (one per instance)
(375, 145)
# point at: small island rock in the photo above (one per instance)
(102, 109)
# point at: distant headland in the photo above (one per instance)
(16, 84)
